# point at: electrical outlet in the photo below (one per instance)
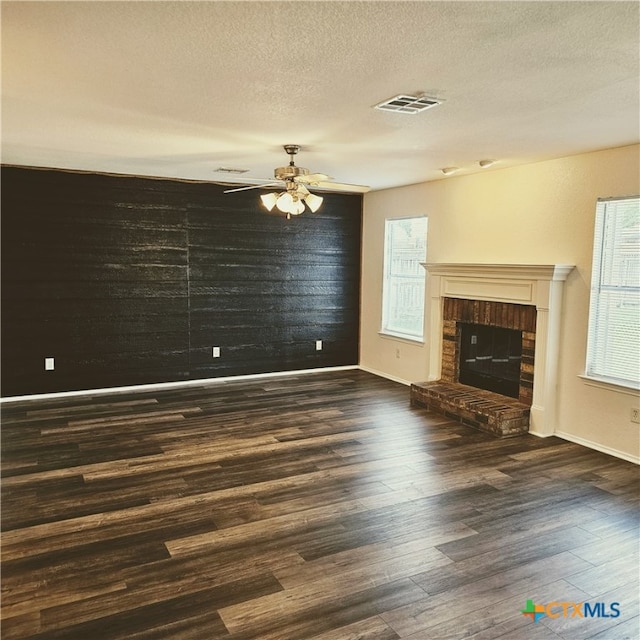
(397, 353)
(49, 364)
(216, 352)
(318, 345)
(635, 415)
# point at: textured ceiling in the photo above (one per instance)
(179, 89)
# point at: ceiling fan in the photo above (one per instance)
(295, 180)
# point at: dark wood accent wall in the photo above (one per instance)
(127, 280)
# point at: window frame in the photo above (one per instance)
(595, 371)
(386, 326)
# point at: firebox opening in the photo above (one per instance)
(490, 358)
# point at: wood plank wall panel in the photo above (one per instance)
(133, 280)
(94, 274)
(264, 288)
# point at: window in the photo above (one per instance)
(613, 349)
(405, 247)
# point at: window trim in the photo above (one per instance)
(612, 384)
(403, 337)
(391, 333)
(622, 385)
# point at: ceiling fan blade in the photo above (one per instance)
(253, 186)
(341, 186)
(312, 178)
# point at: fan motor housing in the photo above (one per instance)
(282, 173)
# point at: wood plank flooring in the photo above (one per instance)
(311, 507)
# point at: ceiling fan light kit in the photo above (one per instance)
(292, 201)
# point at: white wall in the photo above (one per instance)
(540, 213)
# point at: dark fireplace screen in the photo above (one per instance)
(490, 358)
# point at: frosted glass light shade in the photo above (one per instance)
(285, 202)
(297, 207)
(269, 200)
(313, 202)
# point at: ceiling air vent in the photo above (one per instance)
(230, 170)
(408, 104)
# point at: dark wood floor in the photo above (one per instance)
(314, 507)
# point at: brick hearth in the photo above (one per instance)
(490, 412)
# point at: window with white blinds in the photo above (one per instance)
(613, 349)
(405, 247)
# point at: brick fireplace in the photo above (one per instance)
(459, 311)
(526, 298)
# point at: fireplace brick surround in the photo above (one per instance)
(492, 314)
(527, 298)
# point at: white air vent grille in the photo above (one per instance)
(408, 104)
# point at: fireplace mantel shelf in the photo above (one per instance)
(486, 270)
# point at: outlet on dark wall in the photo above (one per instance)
(127, 280)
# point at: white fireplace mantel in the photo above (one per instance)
(540, 285)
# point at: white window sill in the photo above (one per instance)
(401, 337)
(612, 385)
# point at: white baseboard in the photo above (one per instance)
(170, 385)
(598, 447)
(385, 375)
(539, 434)
(589, 444)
